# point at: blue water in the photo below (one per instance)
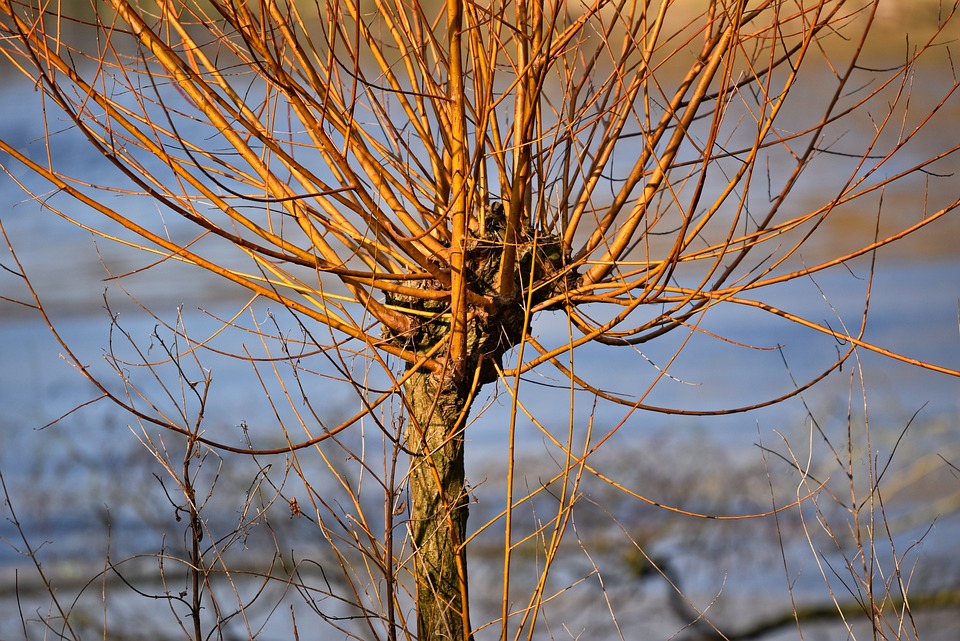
(71, 480)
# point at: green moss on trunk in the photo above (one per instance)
(438, 406)
(438, 519)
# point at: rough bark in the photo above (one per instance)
(438, 518)
(438, 405)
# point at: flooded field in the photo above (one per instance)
(95, 513)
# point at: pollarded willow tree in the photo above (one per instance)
(425, 178)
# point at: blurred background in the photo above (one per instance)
(85, 489)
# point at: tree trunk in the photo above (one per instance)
(438, 404)
(438, 513)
